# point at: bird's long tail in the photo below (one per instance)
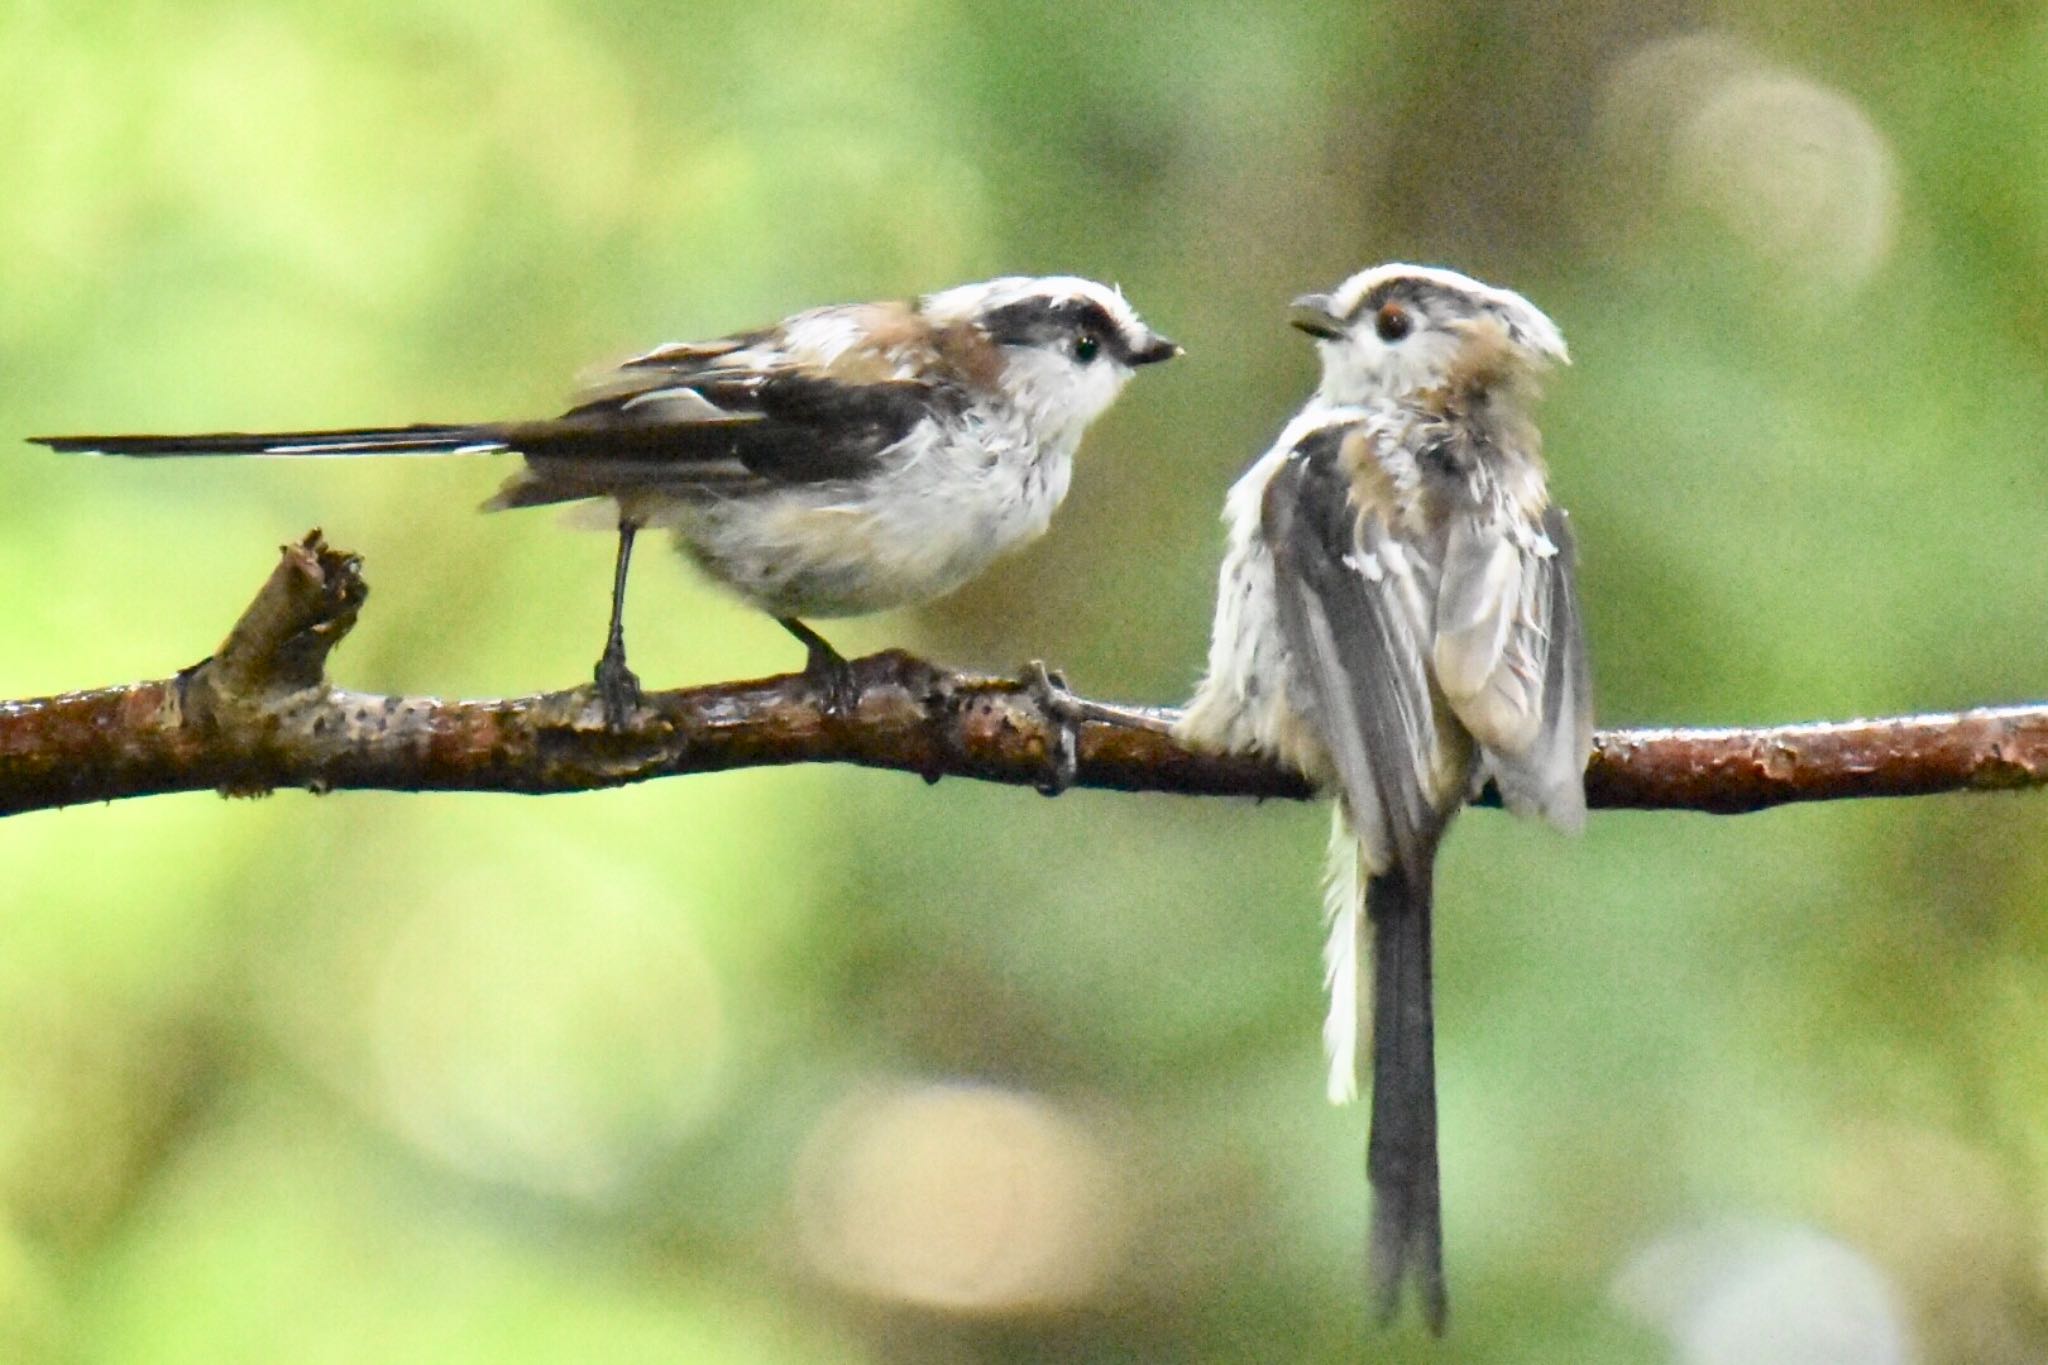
(413, 440)
(1401, 1161)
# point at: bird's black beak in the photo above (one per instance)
(1312, 314)
(1157, 349)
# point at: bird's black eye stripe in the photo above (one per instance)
(1397, 306)
(1080, 327)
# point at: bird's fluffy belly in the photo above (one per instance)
(1247, 703)
(845, 550)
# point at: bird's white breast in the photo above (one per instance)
(952, 497)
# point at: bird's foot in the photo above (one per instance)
(828, 671)
(1063, 713)
(618, 690)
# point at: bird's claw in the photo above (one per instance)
(833, 678)
(1063, 715)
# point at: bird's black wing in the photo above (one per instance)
(737, 414)
(683, 418)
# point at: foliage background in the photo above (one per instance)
(824, 1065)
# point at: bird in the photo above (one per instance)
(1397, 617)
(846, 460)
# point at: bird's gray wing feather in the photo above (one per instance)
(1353, 606)
(1483, 594)
(1510, 656)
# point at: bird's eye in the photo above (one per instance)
(1086, 349)
(1393, 322)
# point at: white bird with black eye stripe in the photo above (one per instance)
(846, 460)
(1397, 618)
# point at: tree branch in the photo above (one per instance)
(259, 715)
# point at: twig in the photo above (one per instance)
(260, 715)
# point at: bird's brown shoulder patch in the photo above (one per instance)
(966, 351)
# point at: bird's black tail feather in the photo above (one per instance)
(413, 440)
(1407, 1206)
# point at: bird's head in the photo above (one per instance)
(1396, 331)
(1067, 345)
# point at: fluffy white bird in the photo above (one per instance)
(1397, 618)
(846, 460)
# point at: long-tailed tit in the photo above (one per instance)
(1397, 618)
(846, 460)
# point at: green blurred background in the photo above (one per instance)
(826, 1065)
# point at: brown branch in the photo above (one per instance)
(259, 715)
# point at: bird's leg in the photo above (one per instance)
(618, 691)
(826, 668)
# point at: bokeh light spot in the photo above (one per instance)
(960, 1197)
(559, 1047)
